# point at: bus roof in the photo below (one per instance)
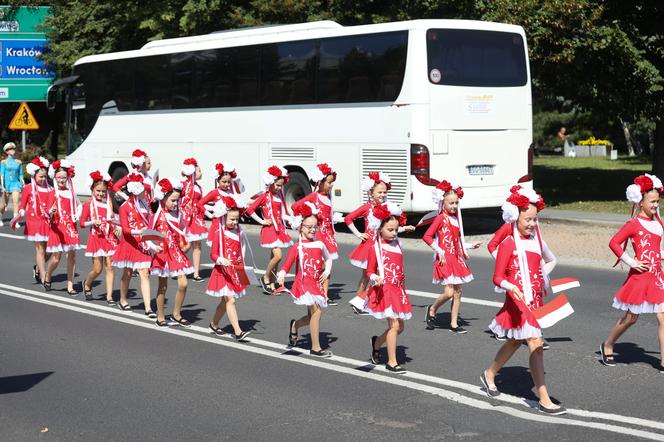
(279, 33)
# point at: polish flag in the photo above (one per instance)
(558, 285)
(281, 290)
(553, 311)
(246, 274)
(428, 218)
(13, 223)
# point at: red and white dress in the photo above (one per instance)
(360, 255)
(515, 319)
(445, 234)
(325, 232)
(132, 253)
(499, 236)
(272, 208)
(36, 202)
(171, 261)
(63, 236)
(211, 198)
(147, 183)
(101, 240)
(225, 280)
(193, 214)
(312, 260)
(389, 300)
(641, 292)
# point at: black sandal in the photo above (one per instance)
(268, 287)
(124, 307)
(47, 286)
(110, 302)
(292, 337)
(183, 322)
(430, 319)
(396, 369)
(197, 278)
(87, 292)
(607, 360)
(375, 354)
(217, 330)
(73, 292)
(159, 323)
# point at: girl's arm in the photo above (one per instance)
(616, 244)
(2, 176)
(372, 268)
(85, 220)
(497, 238)
(26, 195)
(549, 258)
(288, 263)
(429, 235)
(328, 263)
(361, 211)
(208, 198)
(251, 210)
(505, 251)
(298, 204)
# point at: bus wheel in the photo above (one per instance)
(297, 188)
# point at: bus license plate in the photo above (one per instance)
(480, 170)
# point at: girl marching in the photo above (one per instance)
(226, 281)
(376, 184)
(322, 180)
(133, 253)
(98, 215)
(643, 290)
(195, 228)
(522, 265)
(37, 206)
(226, 184)
(445, 237)
(314, 265)
(63, 236)
(141, 163)
(273, 209)
(387, 298)
(170, 259)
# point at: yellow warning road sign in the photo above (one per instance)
(24, 120)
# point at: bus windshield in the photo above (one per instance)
(463, 57)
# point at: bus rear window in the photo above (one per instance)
(462, 57)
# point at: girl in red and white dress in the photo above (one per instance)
(522, 265)
(196, 230)
(226, 184)
(141, 163)
(98, 215)
(313, 264)
(376, 185)
(170, 258)
(133, 253)
(63, 236)
(227, 254)
(387, 298)
(445, 237)
(643, 290)
(273, 210)
(322, 181)
(37, 206)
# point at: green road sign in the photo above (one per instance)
(23, 75)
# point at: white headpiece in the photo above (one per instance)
(138, 158)
(36, 164)
(307, 209)
(383, 211)
(520, 198)
(273, 173)
(373, 178)
(97, 176)
(57, 164)
(165, 186)
(642, 184)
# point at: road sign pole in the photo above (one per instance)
(23, 141)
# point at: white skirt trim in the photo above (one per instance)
(525, 332)
(388, 313)
(100, 253)
(132, 265)
(63, 248)
(308, 298)
(277, 244)
(165, 273)
(225, 292)
(198, 237)
(360, 264)
(37, 238)
(637, 309)
(453, 280)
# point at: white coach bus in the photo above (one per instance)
(422, 100)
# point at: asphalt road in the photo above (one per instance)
(73, 370)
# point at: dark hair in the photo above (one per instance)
(386, 220)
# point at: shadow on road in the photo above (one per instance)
(21, 383)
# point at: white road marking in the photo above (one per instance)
(140, 321)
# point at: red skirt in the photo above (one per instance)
(101, 245)
(224, 282)
(36, 229)
(326, 235)
(641, 292)
(360, 255)
(515, 320)
(127, 256)
(196, 230)
(170, 263)
(270, 238)
(214, 231)
(63, 237)
(388, 301)
(455, 271)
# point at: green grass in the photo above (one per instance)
(594, 184)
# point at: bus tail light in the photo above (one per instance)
(419, 164)
(529, 177)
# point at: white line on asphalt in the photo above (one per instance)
(141, 321)
(7, 235)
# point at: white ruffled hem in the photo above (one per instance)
(453, 280)
(310, 299)
(388, 313)
(131, 265)
(37, 238)
(63, 248)
(225, 292)
(360, 264)
(277, 244)
(525, 332)
(637, 309)
(100, 253)
(200, 237)
(165, 273)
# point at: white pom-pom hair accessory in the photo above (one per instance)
(373, 178)
(274, 173)
(226, 203)
(520, 198)
(642, 185)
(60, 164)
(189, 166)
(320, 172)
(135, 184)
(36, 164)
(138, 158)
(307, 209)
(382, 212)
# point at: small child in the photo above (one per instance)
(314, 264)
(445, 237)
(226, 184)
(195, 229)
(226, 281)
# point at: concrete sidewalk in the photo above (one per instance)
(577, 216)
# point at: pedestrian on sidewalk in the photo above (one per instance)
(643, 290)
(11, 181)
(519, 271)
(445, 236)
